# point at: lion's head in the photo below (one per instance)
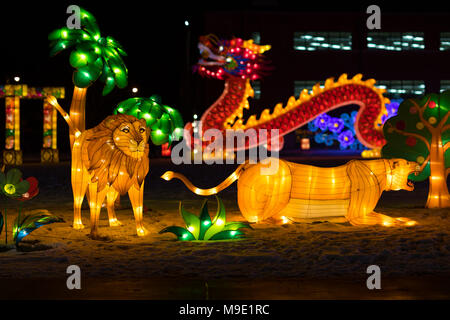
(117, 150)
(397, 178)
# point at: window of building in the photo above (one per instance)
(445, 41)
(401, 89)
(256, 85)
(445, 85)
(395, 41)
(304, 84)
(312, 41)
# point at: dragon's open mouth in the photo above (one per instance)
(209, 61)
(410, 184)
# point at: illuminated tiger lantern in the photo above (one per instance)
(108, 160)
(297, 191)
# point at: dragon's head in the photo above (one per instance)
(221, 59)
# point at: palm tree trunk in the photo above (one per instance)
(77, 111)
(438, 195)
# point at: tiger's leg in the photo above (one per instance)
(95, 204)
(80, 181)
(137, 201)
(111, 197)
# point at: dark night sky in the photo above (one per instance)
(152, 33)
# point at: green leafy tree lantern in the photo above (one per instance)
(421, 132)
(165, 122)
(94, 58)
(204, 228)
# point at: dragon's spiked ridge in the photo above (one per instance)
(235, 120)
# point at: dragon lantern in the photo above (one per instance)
(239, 62)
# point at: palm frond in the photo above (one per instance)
(165, 122)
(94, 57)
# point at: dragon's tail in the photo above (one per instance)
(169, 175)
(52, 100)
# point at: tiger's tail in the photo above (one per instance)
(169, 175)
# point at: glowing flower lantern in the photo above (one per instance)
(346, 138)
(289, 191)
(330, 129)
(14, 187)
(421, 132)
(203, 228)
(94, 58)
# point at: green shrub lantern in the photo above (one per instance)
(166, 123)
(204, 228)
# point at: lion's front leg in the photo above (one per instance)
(95, 204)
(137, 201)
(111, 197)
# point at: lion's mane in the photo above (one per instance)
(104, 161)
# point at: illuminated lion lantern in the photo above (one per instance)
(108, 160)
(297, 191)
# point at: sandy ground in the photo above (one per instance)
(315, 252)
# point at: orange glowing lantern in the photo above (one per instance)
(296, 191)
(305, 144)
(12, 155)
(109, 159)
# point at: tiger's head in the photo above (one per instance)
(397, 178)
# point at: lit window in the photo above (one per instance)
(395, 41)
(445, 41)
(256, 36)
(312, 41)
(401, 89)
(304, 84)
(445, 85)
(256, 85)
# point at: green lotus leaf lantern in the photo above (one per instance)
(203, 228)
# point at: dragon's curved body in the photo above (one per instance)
(227, 111)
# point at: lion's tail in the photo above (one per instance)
(169, 175)
(52, 100)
